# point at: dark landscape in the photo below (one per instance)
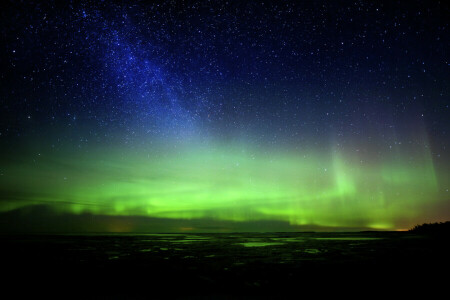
(224, 266)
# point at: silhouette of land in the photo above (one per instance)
(432, 228)
(223, 266)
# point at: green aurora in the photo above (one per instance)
(221, 116)
(231, 183)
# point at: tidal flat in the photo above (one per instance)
(221, 266)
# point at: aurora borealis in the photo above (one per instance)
(312, 115)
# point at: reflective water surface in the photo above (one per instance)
(217, 265)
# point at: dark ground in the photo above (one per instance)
(225, 266)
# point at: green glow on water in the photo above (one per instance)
(259, 244)
(229, 183)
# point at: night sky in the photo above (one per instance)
(171, 116)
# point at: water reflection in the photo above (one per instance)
(260, 244)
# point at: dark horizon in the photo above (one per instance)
(41, 220)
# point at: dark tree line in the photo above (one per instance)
(432, 228)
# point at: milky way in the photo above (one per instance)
(224, 115)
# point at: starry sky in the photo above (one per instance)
(216, 116)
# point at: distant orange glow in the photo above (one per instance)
(187, 228)
(120, 226)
